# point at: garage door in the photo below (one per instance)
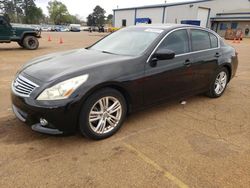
(203, 14)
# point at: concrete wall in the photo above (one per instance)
(128, 15)
(174, 14)
(155, 14)
(190, 11)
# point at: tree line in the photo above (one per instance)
(21, 11)
(26, 12)
(98, 18)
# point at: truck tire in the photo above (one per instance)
(20, 44)
(30, 42)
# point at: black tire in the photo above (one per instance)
(20, 44)
(30, 42)
(86, 127)
(212, 89)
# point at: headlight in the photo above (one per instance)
(63, 89)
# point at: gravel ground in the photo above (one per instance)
(205, 143)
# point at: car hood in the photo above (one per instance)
(53, 66)
(23, 28)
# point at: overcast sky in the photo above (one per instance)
(85, 7)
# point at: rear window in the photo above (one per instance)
(200, 40)
(222, 43)
(214, 40)
(203, 40)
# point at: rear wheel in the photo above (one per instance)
(102, 114)
(30, 42)
(219, 83)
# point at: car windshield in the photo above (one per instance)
(127, 42)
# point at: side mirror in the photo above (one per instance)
(164, 54)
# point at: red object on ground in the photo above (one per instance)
(61, 40)
(49, 39)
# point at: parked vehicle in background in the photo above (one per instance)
(93, 89)
(64, 29)
(84, 28)
(26, 37)
(101, 29)
(75, 27)
(46, 29)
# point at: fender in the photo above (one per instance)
(115, 85)
(34, 33)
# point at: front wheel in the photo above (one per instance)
(20, 44)
(102, 114)
(30, 42)
(219, 83)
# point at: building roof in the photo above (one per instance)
(235, 12)
(231, 18)
(163, 5)
(233, 15)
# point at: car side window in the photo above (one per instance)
(214, 40)
(200, 40)
(1, 22)
(177, 41)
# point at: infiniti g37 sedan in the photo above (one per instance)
(93, 89)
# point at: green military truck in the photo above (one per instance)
(26, 37)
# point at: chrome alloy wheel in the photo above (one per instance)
(220, 83)
(105, 115)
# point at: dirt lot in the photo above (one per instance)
(205, 143)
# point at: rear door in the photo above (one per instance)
(5, 30)
(205, 56)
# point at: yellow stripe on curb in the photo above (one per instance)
(167, 174)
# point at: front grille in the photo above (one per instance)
(23, 87)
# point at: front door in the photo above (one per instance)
(5, 30)
(170, 78)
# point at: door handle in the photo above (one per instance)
(217, 55)
(187, 63)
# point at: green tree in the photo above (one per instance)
(2, 6)
(58, 12)
(12, 9)
(21, 11)
(97, 18)
(32, 14)
(91, 20)
(109, 19)
(75, 19)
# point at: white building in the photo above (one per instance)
(218, 14)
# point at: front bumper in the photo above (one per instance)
(62, 118)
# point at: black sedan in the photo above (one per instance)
(93, 89)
